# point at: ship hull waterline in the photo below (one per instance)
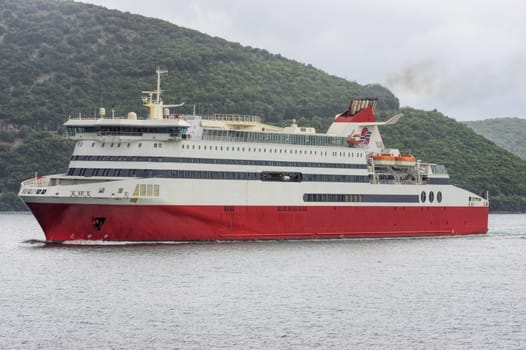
(71, 222)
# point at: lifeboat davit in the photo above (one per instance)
(383, 159)
(405, 160)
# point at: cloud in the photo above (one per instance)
(485, 89)
(465, 57)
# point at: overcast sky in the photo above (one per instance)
(466, 58)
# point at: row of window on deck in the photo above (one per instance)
(272, 137)
(219, 135)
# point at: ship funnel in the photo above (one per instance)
(102, 112)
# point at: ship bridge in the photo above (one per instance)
(102, 129)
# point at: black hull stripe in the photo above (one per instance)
(210, 175)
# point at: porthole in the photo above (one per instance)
(431, 197)
(423, 197)
(439, 197)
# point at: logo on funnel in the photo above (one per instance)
(365, 136)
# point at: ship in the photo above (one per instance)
(221, 177)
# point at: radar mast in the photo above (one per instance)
(156, 106)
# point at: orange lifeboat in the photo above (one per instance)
(383, 159)
(405, 160)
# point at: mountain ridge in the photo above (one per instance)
(508, 133)
(114, 51)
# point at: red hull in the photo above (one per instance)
(62, 222)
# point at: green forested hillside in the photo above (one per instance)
(22, 153)
(60, 58)
(508, 133)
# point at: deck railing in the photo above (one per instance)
(234, 118)
(37, 181)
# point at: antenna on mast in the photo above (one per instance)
(156, 106)
(159, 71)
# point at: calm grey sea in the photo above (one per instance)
(419, 293)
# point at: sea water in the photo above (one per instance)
(418, 293)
